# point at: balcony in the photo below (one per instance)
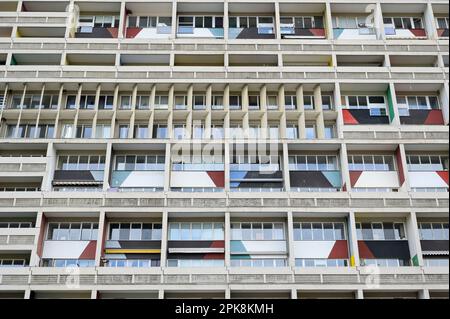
(22, 166)
(428, 173)
(302, 21)
(200, 20)
(148, 21)
(352, 22)
(93, 25)
(252, 21)
(13, 239)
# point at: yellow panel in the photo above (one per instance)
(132, 251)
(352, 261)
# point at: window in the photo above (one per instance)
(257, 231)
(134, 263)
(135, 231)
(404, 23)
(417, 103)
(199, 102)
(195, 263)
(253, 102)
(125, 102)
(265, 25)
(160, 131)
(329, 131)
(16, 224)
(84, 131)
(217, 102)
(384, 262)
(179, 131)
(123, 130)
(350, 22)
(106, 102)
(161, 101)
(427, 163)
(326, 102)
(81, 162)
(141, 131)
(258, 262)
(310, 131)
(321, 262)
(148, 22)
(442, 23)
(319, 231)
(308, 102)
(292, 131)
(180, 102)
(139, 162)
(103, 131)
(143, 102)
(73, 231)
(371, 163)
(235, 102)
(434, 231)
(313, 163)
(380, 231)
(71, 102)
(64, 263)
(290, 102)
(289, 24)
(196, 231)
(87, 102)
(376, 104)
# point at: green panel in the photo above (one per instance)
(415, 261)
(390, 104)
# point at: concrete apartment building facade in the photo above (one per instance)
(224, 149)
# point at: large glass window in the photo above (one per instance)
(381, 231)
(135, 231)
(196, 231)
(319, 231)
(72, 231)
(257, 231)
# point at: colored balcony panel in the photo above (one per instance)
(330, 253)
(81, 177)
(316, 180)
(137, 179)
(351, 27)
(420, 110)
(428, 172)
(97, 32)
(77, 250)
(245, 27)
(302, 27)
(95, 20)
(368, 110)
(257, 180)
(192, 179)
(429, 180)
(148, 27)
(196, 253)
(398, 27)
(132, 253)
(384, 253)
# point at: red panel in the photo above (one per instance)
(441, 32)
(218, 244)
(41, 236)
(443, 175)
(434, 118)
(418, 32)
(340, 250)
(214, 256)
(318, 32)
(218, 178)
(348, 118)
(401, 172)
(132, 32)
(89, 251)
(114, 32)
(364, 251)
(354, 176)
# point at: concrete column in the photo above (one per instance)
(290, 234)
(353, 240)
(109, 161)
(320, 124)
(165, 238)
(430, 23)
(412, 233)
(50, 168)
(359, 294)
(27, 294)
(378, 22)
(122, 20)
(227, 166)
(392, 105)
(345, 174)
(226, 25)
(404, 169)
(338, 108)
(35, 257)
(294, 294)
(277, 21)
(102, 237)
(285, 159)
(328, 21)
(174, 19)
(94, 294)
(227, 239)
(424, 294)
(301, 110)
(167, 169)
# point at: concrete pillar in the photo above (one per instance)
(359, 294)
(320, 124)
(353, 240)
(227, 239)
(338, 107)
(301, 110)
(430, 23)
(444, 99)
(345, 174)
(102, 237)
(164, 238)
(424, 294)
(290, 234)
(402, 167)
(392, 105)
(412, 233)
(328, 21)
(167, 168)
(109, 161)
(285, 167)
